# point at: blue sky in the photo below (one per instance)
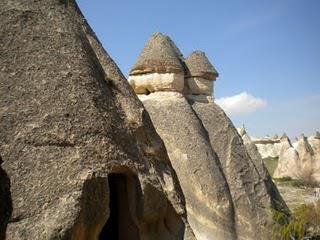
(267, 50)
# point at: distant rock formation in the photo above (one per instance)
(288, 163)
(298, 160)
(82, 155)
(301, 161)
(268, 147)
(226, 195)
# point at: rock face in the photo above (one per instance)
(288, 163)
(152, 82)
(81, 153)
(250, 184)
(314, 142)
(253, 152)
(209, 203)
(268, 147)
(200, 74)
(306, 155)
(226, 195)
(158, 67)
(301, 161)
(5, 201)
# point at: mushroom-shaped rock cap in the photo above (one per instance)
(199, 66)
(159, 55)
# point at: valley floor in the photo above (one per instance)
(295, 196)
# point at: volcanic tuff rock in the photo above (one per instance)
(226, 195)
(268, 147)
(200, 74)
(159, 55)
(301, 161)
(5, 201)
(209, 203)
(314, 142)
(251, 187)
(198, 65)
(289, 162)
(74, 138)
(158, 67)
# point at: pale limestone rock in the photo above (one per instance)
(269, 150)
(315, 144)
(268, 146)
(289, 162)
(309, 166)
(152, 82)
(300, 161)
(242, 131)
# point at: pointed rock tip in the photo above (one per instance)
(242, 130)
(159, 55)
(284, 136)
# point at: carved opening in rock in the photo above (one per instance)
(121, 224)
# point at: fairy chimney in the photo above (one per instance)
(83, 158)
(201, 74)
(158, 68)
(226, 195)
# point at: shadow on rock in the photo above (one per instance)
(5, 201)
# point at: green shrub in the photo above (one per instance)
(301, 181)
(283, 179)
(303, 223)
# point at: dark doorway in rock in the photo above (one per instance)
(120, 225)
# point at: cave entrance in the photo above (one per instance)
(120, 225)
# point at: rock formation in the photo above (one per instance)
(226, 195)
(5, 201)
(201, 75)
(82, 155)
(158, 67)
(203, 182)
(306, 154)
(314, 142)
(301, 161)
(268, 147)
(253, 152)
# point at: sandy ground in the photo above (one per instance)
(294, 196)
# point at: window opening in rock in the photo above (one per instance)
(120, 225)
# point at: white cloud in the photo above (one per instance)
(241, 104)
